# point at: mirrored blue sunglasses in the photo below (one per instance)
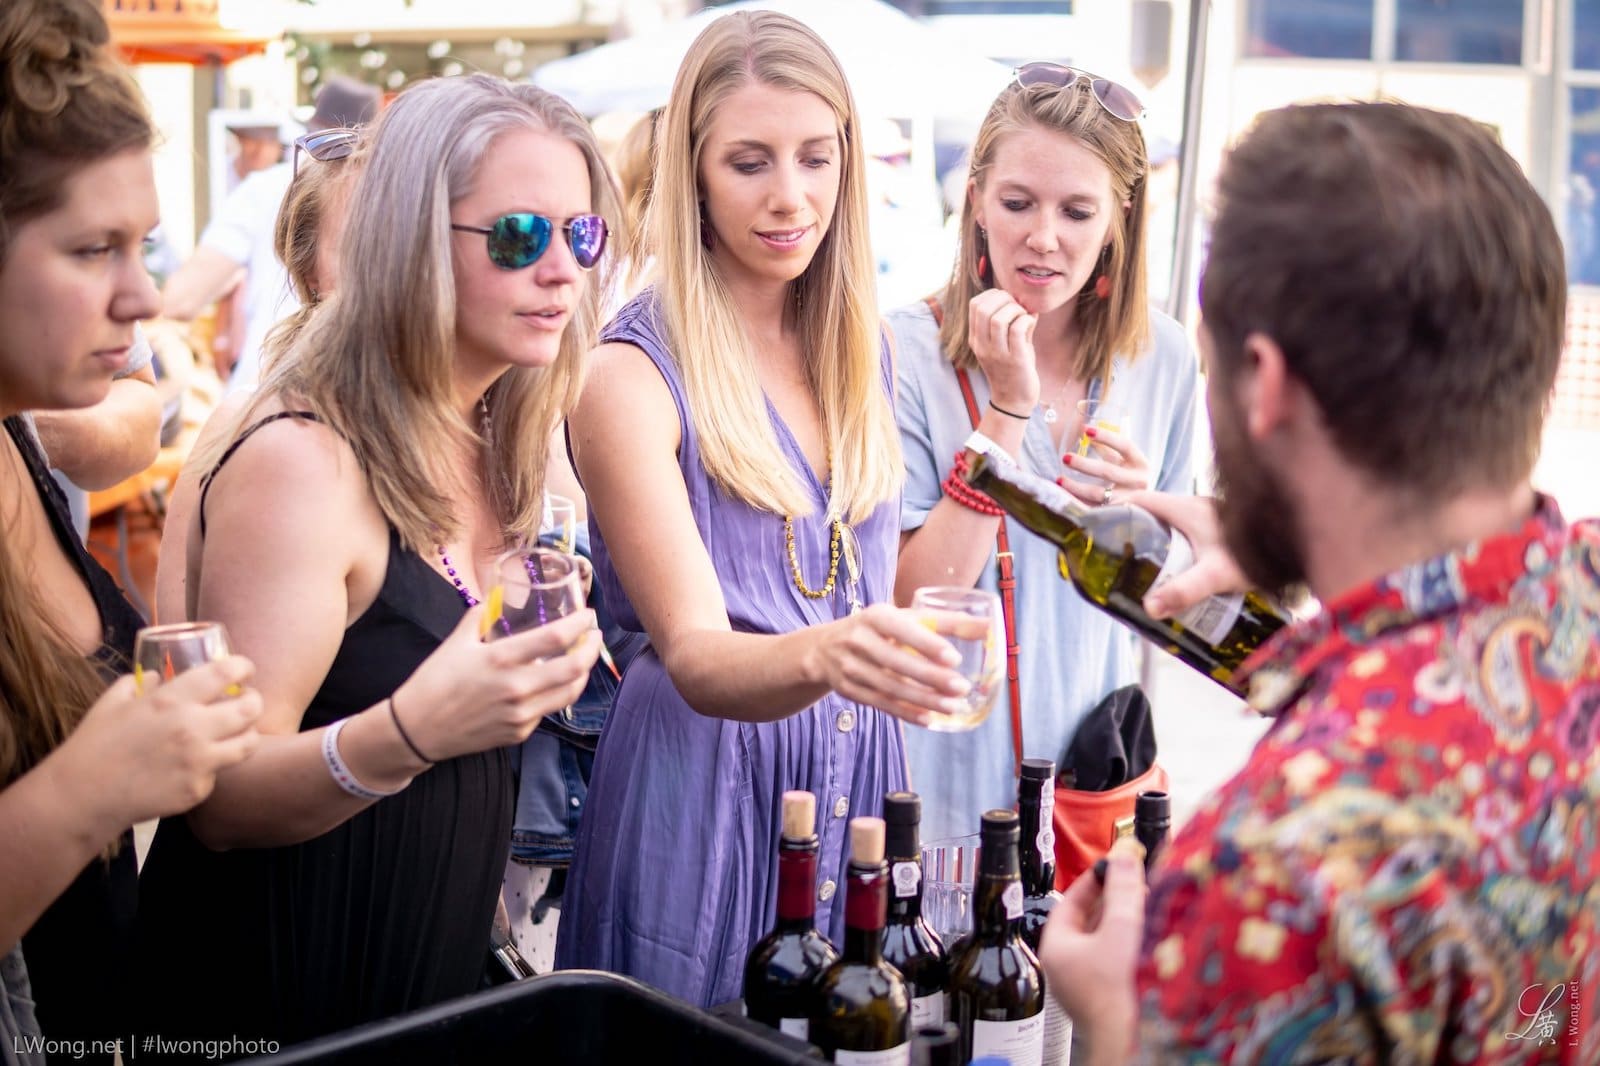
(518, 240)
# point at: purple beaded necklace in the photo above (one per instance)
(449, 567)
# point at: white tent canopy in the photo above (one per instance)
(897, 67)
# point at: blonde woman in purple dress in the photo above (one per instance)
(737, 441)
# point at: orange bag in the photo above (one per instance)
(1086, 822)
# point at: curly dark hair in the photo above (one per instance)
(65, 100)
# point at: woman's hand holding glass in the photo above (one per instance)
(1104, 463)
(154, 746)
(893, 659)
(972, 622)
(522, 654)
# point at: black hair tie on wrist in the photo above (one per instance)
(406, 736)
(1008, 414)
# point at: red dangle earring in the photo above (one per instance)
(983, 256)
(1102, 284)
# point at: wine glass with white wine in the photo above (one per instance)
(970, 620)
(530, 587)
(164, 652)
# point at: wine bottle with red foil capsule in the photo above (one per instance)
(909, 943)
(1037, 850)
(861, 1015)
(997, 994)
(782, 970)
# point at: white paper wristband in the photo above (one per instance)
(337, 769)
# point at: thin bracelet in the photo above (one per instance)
(339, 771)
(1009, 414)
(406, 736)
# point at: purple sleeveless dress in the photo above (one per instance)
(675, 871)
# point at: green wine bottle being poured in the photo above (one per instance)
(1113, 555)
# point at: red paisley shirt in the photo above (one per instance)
(1407, 870)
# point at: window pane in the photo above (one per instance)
(1459, 31)
(1583, 190)
(1586, 34)
(1314, 29)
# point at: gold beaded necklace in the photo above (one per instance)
(835, 539)
(833, 559)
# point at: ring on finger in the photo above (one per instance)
(1105, 497)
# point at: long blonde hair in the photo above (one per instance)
(1116, 325)
(835, 310)
(66, 102)
(375, 363)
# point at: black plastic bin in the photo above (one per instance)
(576, 1016)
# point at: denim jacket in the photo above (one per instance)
(554, 763)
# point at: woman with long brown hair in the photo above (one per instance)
(79, 762)
(390, 456)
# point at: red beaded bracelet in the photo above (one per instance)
(969, 497)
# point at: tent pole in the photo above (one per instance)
(1189, 154)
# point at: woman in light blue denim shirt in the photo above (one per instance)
(1047, 306)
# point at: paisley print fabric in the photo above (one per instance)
(1407, 870)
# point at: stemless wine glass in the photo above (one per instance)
(949, 870)
(529, 587)
(559, 526)
(970, 620)
(1096, 414)
(163, 652)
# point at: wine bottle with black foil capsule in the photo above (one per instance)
(1113, 555)
(1036, 847)
(861, 1013)
(997, 996)
(782, 970)
(936, 1045)
(909, 943)
(1152, 821)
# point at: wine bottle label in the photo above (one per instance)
(907, 876)
(1057, 1049)
(895, 1056)
(1211, 618)
(1012, 898)
(927, 1010)
(795, 1027)
(1021, 1043)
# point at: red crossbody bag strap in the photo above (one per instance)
(1005, 561)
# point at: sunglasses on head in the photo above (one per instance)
(1118, 101)
(326, 145)
(518, 240)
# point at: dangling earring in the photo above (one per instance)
(1102, 284)
(983, 256)
(707, 235)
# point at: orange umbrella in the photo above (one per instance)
(177, 31)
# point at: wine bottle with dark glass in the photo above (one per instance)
(1115, 554)
(997, 994)
(1152, 820)
(936, 1045)
(782, 970)
(909, 944)
(1037, 848)
(861, 1013)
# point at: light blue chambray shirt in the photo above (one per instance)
(1073, 654)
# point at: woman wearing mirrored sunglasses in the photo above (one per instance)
(390, 456)
(737, 441)
(1046, 306)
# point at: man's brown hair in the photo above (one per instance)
(1413, 278)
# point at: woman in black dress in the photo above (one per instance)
(80, 762)
(388, 458)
